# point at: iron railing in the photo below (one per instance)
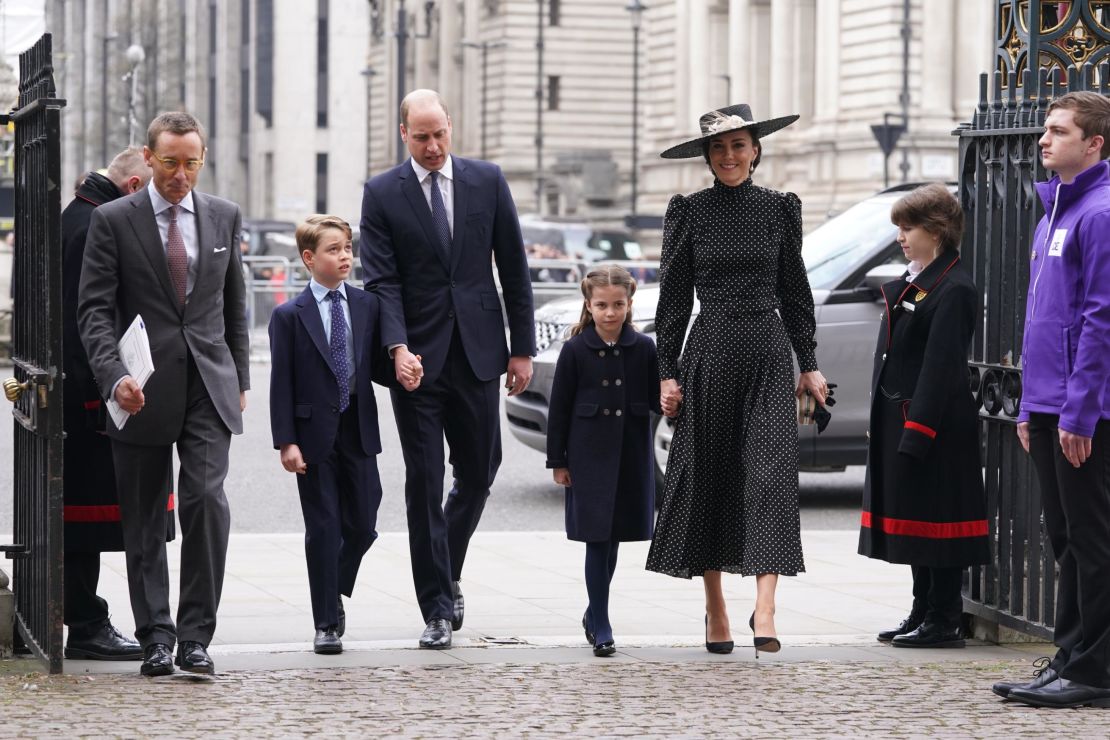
(999, 164)
(36, 389)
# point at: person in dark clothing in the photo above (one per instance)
(91, 508)
(923, 498)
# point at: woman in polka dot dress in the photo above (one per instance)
(730, 501)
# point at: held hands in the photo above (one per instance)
(130, 396)
(292, 459)
(670, 397)
(408, 368)
(815, 383)
(518, 376)
(562, 476)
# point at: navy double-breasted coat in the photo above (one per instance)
(599, 427)
(924, 502)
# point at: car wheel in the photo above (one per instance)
(662, 431)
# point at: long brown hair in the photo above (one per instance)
(603, 276)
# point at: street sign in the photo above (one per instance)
(887, 135)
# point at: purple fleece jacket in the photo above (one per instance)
(1065, 357)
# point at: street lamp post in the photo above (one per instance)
(135, 57)
(484, 46)
(369, 73)
(104, 41)
(402, 33)
(635, 9)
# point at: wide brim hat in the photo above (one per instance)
(723, 121)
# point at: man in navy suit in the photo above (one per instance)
(431, 229)
(325, 345)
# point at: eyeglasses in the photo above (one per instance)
(171, 165)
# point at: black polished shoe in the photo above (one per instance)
(908, 625)
(342, 626)
(605, 649)
(327, 642)
(104, 644)
(763, 644)
(460, 608)
(157, 660)
(721, 648)
(1063, 694)
(1044, 674)
(930, 635)
(585, 628)
(193, 658)
(437, 635)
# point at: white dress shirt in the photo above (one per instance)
(186, 224)
(446, 188)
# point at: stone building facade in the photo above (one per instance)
(301, 97)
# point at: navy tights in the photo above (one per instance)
(601, 562)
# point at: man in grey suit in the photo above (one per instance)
(171, 255)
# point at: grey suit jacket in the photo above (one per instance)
(125, 273)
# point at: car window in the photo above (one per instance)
(840, 243)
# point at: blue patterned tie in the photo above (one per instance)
(338, 346)
(439, 217)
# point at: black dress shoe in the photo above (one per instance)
(104, 644)
(585, 628)
(909, 624)
(460, 608)
(157, 660)
(1063, 694)
(437, 635)
(720, 648)
(327, 642)
(193, 658)
(605, 649)
(930, 635)
(342, 626)
(1045, 674)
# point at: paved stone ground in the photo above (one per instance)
(597, 698)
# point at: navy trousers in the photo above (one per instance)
(462, 408)
(339, 500)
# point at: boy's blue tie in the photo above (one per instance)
(439, 217)
(338, 345)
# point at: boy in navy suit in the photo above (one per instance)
(325, 346)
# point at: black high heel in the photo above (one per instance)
(765, 644)
(721, 648)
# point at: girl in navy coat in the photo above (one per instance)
(599, 436)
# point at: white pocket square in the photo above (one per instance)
(219, 249)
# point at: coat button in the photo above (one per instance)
(617, 381)
(619, 412)
(884, 355)
(868, 434)
(616, 353)
(451, 313)
(605, 411)
(605, 383)
(601, 353)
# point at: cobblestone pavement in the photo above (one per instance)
(738, 699)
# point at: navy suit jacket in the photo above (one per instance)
(403, 264)
(304, 394)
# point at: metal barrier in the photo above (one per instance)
(36, 390)
(271, 281)
(999, 162)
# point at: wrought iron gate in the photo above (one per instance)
(36, 389)
(1044, 49)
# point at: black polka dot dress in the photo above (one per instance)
(730, 500)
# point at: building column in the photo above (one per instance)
(827, 62)
(938, 29)
(783, 58)
(699, 69)
(739, 52)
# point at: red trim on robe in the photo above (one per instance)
(930, 530)
(99, 514)
(927, 431)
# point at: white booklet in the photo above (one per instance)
(134, 350)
